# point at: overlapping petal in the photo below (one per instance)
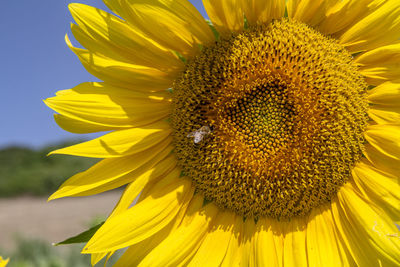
(371, 237)
(115, 172)
(381, 64)
(123, 74)
(180, 245)
(135, 253)
(294, 244)
(108, 35)
(386, 94)
(108, 106)
(97, 257)
(382, 161)
(79, 126)
(379, 28)
(346, 13)
(385, 100)
(247, 247)
(139, 187)
(385, 138)
(311, 12)
(269, 235)
(381, 189)
(120, 143)
(263, 12)
(384, 114)
(226, 16)
(324, 246)
(213, 248)
(175, 24)
(233, 254)
(145, 218)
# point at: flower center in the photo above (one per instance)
(270, 122)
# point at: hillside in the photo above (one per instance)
(24, 171)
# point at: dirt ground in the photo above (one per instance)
(54, 221)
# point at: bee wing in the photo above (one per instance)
(192, 134)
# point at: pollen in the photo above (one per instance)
(270, 122)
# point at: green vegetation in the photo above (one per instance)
(36, 253)
(27, 171)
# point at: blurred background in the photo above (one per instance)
(35, 63)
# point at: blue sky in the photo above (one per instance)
(35, 63)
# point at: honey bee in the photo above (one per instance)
(200, 134)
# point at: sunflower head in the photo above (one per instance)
(267, 137)
(285, 108)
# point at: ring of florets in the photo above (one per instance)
(270, 122)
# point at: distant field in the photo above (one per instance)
(29, 225)
(24, 171)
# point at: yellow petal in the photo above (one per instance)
(294, 247)
(233, 255)
(291, 6)
(387, 93)
(145, 218)
(108, 257)
(379, 55)
(96, 257)
(311, 12)
(145, 178)
(384, 114)
(379, 28)
(215, 244)
(80, 126)
(136, 253)
(180, 245)
(385, 138)
(371, 237)
(3, 262)
(324, 248)
(385, 99)
(359, 253)
(120, 143)
(113, 173)
(175, 24)
(381, 64)
(138, 177)
(108, 89)
(112, 108)
(379, 187)
(123, 74)
(381, 161)
(346, 13)
(247, 245)
(226, 16)
(263, 12)
(103, 33)
(269, 243)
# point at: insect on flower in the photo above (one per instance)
(200, 134)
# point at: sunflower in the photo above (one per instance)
(266, 136)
